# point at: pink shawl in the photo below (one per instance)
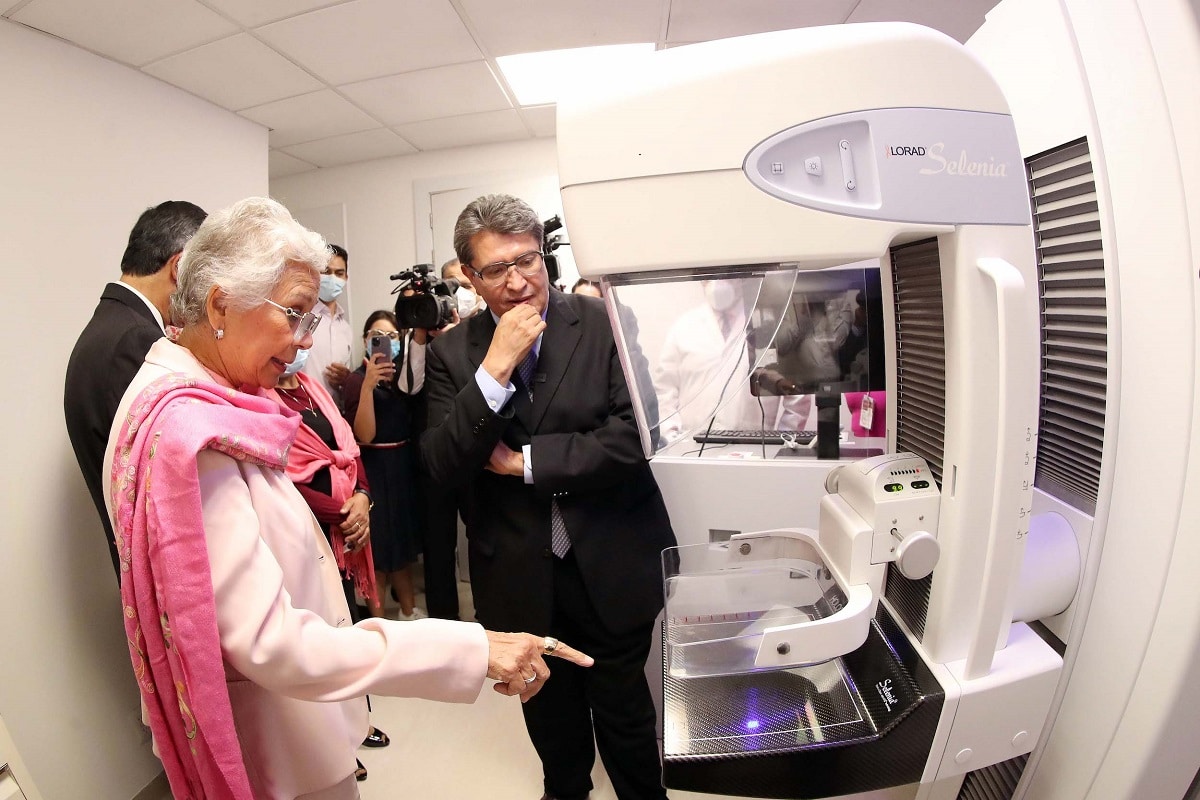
(310, 454)
(166, 584)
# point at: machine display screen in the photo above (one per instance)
(746, 348)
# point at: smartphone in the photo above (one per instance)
(379, 344)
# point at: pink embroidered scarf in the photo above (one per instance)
(166, 584)
(310, 454)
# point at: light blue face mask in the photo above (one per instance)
(331, 287)
(395, 349)
(297, 364)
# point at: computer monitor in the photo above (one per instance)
(831, 335)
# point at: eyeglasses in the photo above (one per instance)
(393, 335)
(302, 324)
(528, 264)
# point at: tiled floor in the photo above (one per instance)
(441, 750)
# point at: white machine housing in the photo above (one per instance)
(820, 147)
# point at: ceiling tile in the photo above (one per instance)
(364, 146)
(377, 37)
(493, 126)
(218, 71)
(507, 27)
(131, 31)
(280, 165)
(543, 119)
(252, 13)
(703, 20)
(956, 18)
(308, 117)
(429, 94)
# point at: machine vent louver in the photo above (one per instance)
(920, 393)
(1074, 365)
(997, 782)
(920, 353)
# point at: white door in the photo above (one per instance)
(446, 198)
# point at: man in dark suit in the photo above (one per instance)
(128, 320)
(529, 409)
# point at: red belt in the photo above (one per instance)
(383, 445)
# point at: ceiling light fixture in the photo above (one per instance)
(540, 78)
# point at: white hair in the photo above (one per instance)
(244, 250)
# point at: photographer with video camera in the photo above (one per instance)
(428, 305)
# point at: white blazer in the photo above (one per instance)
(296, 668)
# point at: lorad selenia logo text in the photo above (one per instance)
(884, 687)
(963, 165)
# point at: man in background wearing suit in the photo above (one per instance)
(529, 412)
(128, 320)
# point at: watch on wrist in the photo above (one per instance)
(366, 494)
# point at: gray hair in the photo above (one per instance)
(498, 213)
(243, 249)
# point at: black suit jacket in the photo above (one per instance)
(109, 353)
(585, 453)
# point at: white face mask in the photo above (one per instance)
(466, 300)
(721, 295)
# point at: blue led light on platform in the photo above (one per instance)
(752, 725)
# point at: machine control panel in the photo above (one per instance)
(925, 165)
(897, 498)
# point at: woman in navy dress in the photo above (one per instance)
(379, 401)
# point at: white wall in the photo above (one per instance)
(87, 146)
(378, 197)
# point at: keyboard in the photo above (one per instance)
(803, 438)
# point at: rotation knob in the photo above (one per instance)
(916, 554)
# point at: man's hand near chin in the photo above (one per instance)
(516, 334)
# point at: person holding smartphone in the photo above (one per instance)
(379, 407)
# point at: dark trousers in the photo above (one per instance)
(608, 703)
(441, 541)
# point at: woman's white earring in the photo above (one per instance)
(220, 334)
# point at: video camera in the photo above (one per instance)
(550, 244)
(431, 304)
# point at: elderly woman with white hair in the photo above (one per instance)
(251, 676)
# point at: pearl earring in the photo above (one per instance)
(220, 334)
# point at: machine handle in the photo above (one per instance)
(822, 639)
(1001, 548)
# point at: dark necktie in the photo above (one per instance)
(560, 542)
(525, 372)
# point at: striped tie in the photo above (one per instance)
(560, 542)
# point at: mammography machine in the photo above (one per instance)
(877, 637)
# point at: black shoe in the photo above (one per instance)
(360, 773)
(376, 738)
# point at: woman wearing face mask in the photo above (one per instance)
(326, 466)
(378, 405)
(327, 469)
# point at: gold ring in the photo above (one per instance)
(549, 645)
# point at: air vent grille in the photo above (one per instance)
(1074, 324)
(920, 353)
(997, 782)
